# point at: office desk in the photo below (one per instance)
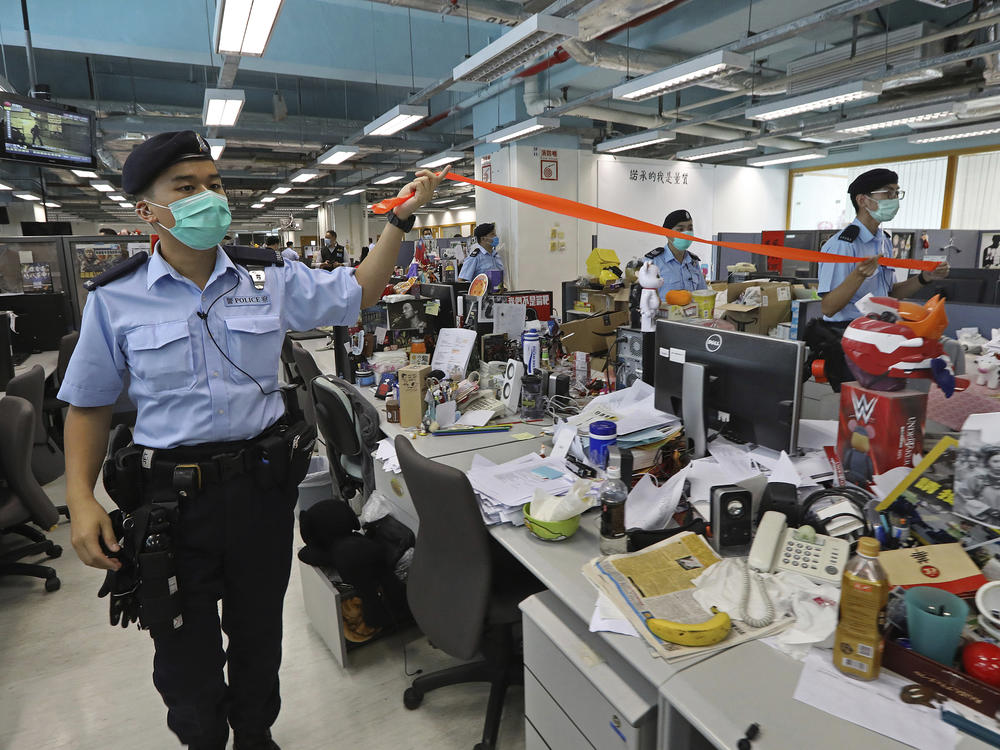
(710, 703)
(48, 360)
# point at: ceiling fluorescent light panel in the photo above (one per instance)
(243, 27)
(954, 134)
(787, 157)
(637, 140)
(679, 76)
(716, 149)
(521, 129)
(338, 155)
(439, 160)
(396, 119)
(222, 107)
(912, 117)
(831, 97)
(522, 44)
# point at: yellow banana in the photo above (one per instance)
(700, 634)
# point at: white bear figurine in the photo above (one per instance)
(649, 303)
(988, 369)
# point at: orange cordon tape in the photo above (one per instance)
(611, 219)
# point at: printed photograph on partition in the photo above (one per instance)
(989, 249)
(977, 480)
(95, 258)
(36, 277)
(902, 245)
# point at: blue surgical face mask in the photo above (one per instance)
(681, 245)
(886, 211)
(200, 220)
(495, 243)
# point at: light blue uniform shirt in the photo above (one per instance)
(486, 260)
(832, 275)
(185, 391)
(685, 274)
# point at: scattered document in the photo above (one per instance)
(385, 452)
(816, 434)
(651, 507)
(607, 619)
(509, 319)
(444, 414)
(874, 705)
(453, 349)
(476, 417)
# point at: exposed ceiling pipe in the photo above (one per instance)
(492, 11)
(602, 20)
(623, 118)
(557, 57)
(618, 57)
(534, 102)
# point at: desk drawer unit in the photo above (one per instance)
(532, 739)
(394, 488)
(577, 688)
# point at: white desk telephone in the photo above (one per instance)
(777, 547)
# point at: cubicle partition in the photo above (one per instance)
(35, 286)
(87, 256)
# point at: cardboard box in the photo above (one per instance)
(775, 307)
(608, 301)
(879, 430)
(595, 334)
(412, 388)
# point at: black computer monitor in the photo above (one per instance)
(41, 320)
(747, 387)
(45, 132)
(971, 285)
(445, 294)
(45, 228)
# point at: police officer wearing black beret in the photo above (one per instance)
(875, 195)
(210, 480)
(679, 268)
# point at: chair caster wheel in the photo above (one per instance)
(412, 699)
(54, 551)
(52, 584)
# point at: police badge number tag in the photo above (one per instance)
(258, 277)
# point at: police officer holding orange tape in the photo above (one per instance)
(199, 329)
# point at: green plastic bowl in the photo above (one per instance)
(550, 531)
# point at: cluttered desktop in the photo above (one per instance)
(864, 546)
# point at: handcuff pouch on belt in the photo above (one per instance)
(144, 589)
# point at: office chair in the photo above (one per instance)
(21, 498)
(462, 588)
(291, 371)
(307, 370)
(52, 406)
(47, 462)
(341, 430)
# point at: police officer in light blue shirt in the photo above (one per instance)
(199, 329)
(679, 268)
(484, 255)
(875, 196)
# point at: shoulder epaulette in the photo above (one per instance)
(656, 252)
(253, 256)
(116, 271)
(850, 233)
(474, 253)
(886, 233)
(694, 257)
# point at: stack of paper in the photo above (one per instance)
(631, 409)
(504, 488)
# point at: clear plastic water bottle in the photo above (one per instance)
(613, 494)
(531, 350)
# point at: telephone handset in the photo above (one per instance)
(777, 547)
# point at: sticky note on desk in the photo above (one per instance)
(547, 472)
(523, 436)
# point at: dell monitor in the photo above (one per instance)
(747, 387)
(43, 132)
(969, 285)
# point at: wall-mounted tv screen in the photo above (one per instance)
(44, 132)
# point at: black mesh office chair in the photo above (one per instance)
(341, 431)
(47, 462)
(52, 406)
(307, 370)
(22, 500)
(463, 589)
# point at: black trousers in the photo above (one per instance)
(233, 543)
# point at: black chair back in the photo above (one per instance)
(16, 428)
(30, 386)
(450, 578)
(308, 369)
(66, 346)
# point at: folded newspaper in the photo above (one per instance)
(657, 582)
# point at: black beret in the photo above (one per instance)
(676, 217)
(871, 180)
(482, 230)
(148, 160)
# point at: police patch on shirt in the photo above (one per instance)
(250, 299)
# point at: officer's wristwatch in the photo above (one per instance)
(923, 281)
(404, 226)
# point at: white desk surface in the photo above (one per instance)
(48, 360)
